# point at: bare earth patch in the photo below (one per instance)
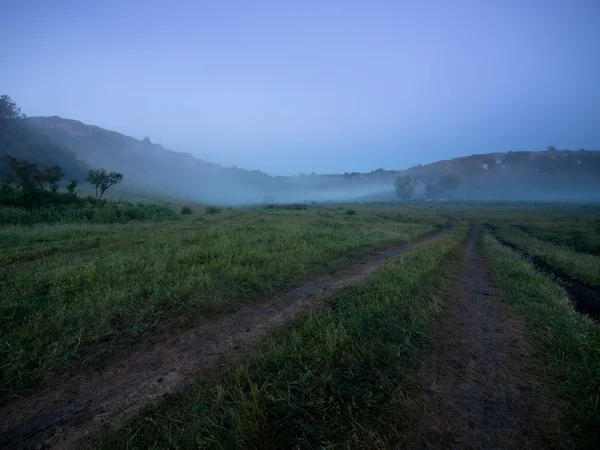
(63, 415)
(478, 392)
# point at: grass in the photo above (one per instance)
(72, 292)
(567, 344)
(583, 267)
(582, 234)
(335, 378)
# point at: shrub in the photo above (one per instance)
(186, 210)
(351, 212)
(213, 210)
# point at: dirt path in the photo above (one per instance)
(64, 414)
(477, 391)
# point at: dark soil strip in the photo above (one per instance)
(478, 393)
(64, 414)
(584, 298)
(552, 241)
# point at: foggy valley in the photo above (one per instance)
(285, 225)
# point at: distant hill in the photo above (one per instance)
(524, 175)
(20, 138)
(153, 170)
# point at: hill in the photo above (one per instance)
(151, 168)
(154, 171)
(19, 138)
(525, 175)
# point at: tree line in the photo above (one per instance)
(30, 184)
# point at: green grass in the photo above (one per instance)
(583, 267)
(70, 292)
(567, 344)
(335, 378)
(582, 234)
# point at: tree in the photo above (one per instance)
(29, 176)
(551, 148)
(9, 109)
(432, 189)
(49, 177)
(103, 180)
(448, 184)
(404, 187)
(72, 186)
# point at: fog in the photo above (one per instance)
(302, 87)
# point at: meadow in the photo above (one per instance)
(346, 372)
(72, 292)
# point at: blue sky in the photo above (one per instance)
(313, 86)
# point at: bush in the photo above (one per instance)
(351, 212)
(213, 210)
(186, 210)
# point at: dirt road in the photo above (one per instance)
(477, 390)
(64, 414)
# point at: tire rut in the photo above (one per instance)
(477, 391)
(64, 415)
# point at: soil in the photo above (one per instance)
(63, 415)
(477, 391)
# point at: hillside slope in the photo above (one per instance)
(152, 168)
(526, 175)
(20, 139)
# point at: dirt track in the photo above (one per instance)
(64, 414)
(477, 392)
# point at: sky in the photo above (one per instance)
(313, 86)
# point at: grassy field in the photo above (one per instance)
(567, 344)
(75, 296)
(338, 377)
(583, 267)
(581, 234)
(71, 294)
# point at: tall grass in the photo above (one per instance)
(582, 234)
(583, 267)
(336, 378)
(567, 344)
(85, 213)
(71, 292)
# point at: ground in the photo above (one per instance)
(392, 327)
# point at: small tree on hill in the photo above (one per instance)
(551, 148)
(9, 109)
(103, 180)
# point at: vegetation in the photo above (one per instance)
(582, 267)
(582, 234)
(68, 291)
(213, 210)
(18, 138)
(30, 194)
(337, 377)
(102, 180)
(404, 187)
(186, 210)
(566, 343)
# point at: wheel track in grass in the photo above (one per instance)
(65, 414)
(552, 241)
(477, 391)
(584, 298)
